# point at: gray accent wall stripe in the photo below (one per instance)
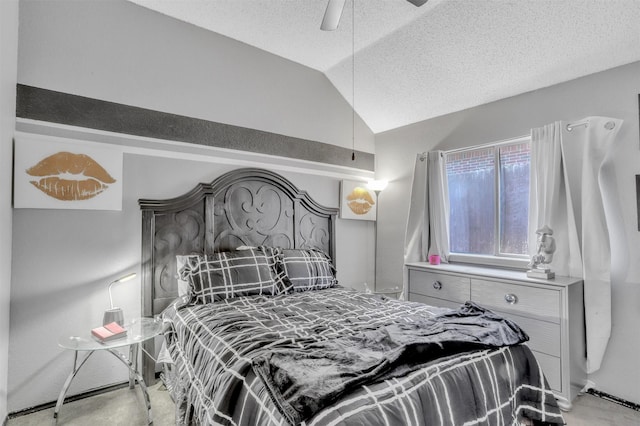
(57, 107)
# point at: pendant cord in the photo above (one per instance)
(353, 80)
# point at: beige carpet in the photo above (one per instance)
(125, 407)
(589, 410)
(121, 407)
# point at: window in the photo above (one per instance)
(489, 200)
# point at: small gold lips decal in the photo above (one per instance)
(70, 177)
(360, 201)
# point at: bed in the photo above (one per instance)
(259, 332)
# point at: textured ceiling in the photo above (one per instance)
(414, 63)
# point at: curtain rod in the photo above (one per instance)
(489, 144)
(572, 126)
(609, 125)
(423, 154)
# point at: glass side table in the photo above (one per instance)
(138, 330)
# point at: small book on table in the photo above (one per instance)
(108, 332)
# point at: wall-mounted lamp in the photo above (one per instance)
(115, 314)
(376, 186)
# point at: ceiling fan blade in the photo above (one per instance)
(332, 15)
(417, 2)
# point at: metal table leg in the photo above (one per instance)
(134, 375)
(67, 382)
(133, 358)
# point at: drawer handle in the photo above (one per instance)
(511, 298)
(437, 285)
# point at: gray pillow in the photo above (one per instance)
(224, 275)
(308, 269)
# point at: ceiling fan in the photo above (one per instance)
(334, 11)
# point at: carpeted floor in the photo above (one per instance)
(589, 410)
(121, 407)
(125, 407)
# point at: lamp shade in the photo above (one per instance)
(377, 185)
(126, 278)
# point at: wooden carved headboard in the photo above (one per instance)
(242, 207)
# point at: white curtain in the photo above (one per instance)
(416, 240)
(428, 222)
(566, 195)
(549, 203)
(438, 206)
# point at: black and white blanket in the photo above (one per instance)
(336, 356)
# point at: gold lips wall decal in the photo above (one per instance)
(70, 177)
(360, 201)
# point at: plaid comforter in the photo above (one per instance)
(213, 347)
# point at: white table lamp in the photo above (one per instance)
(115, 314)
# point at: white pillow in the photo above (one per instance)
(183, 286)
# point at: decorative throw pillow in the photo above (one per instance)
(223, 275)
(308, 269)
(274, 254)
(181, 260)
(183, 286)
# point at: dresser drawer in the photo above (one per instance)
(441, 286)
(522, 300)
(543, 336)
(432, 301)
(552, 369)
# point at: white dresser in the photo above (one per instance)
(549, 311)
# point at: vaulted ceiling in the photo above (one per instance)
(414, 63)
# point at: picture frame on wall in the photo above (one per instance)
(357, 201)
(59, 173)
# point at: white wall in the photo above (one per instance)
(64, 259)
(121, 52)
(116, 51)
(612, 93)
(8, 75)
